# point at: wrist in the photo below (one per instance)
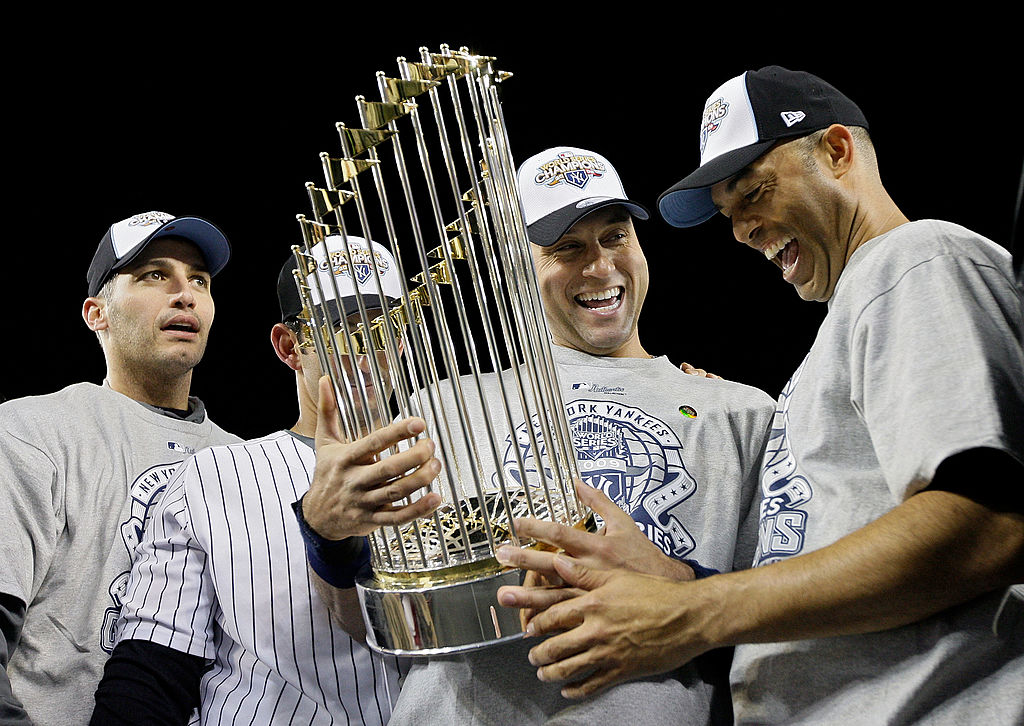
(337, 562)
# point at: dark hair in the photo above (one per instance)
(861, 138)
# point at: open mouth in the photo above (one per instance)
(783, 252)
(608, 299)
(182, 324)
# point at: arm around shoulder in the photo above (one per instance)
(936, 550)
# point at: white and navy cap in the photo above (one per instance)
(359, 275)
(742, 120)
(560, 185)
(126, 239)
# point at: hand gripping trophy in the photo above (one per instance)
(456, 328)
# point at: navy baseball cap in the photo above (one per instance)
(125, 240)
(563, 184)
(742, 120)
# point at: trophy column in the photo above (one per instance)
(462, 340)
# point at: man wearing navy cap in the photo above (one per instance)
(256, 644)
(80, 468)
(891, 524)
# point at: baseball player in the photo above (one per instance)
(670, 459)
(220, 608)
(80, 469)
(892, 519)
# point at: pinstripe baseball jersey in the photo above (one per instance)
(221, 574)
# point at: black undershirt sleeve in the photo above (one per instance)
(990, 477)
(148, 684)
(12, 617)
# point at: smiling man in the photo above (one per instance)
(80, 468)
(668, 460)
(892, 520)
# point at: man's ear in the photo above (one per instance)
(839, 149)
(94, 313)
(286, 345)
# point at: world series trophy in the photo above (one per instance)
(461, 338)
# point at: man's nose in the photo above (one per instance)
(182, 294)
(744, 228)
(601, 264)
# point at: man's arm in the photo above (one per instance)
(343, 605)
(148, 684)
(936, 550)
(28, 490)
(164, 638)
(12, 616)
(355, 492)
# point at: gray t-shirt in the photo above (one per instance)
(919, 358)
(680, 454)
(79, 472)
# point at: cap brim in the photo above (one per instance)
(688, 202)
(205, 235)
(350, 306)
(549, 229)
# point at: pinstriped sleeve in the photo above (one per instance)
(170, 598)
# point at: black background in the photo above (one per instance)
(226, 120)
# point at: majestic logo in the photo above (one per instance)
(783, 522)
(598, 388)
(144, 493)
(791, 118)
(362, 261)
(180, 448)
(713, 115)
(568, 168)
(634, 458)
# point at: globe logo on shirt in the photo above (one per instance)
(631, 456)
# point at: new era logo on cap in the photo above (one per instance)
(791, 118)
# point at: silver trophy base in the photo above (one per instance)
(440, 619)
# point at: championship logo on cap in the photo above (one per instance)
(361, 282)
(125, 240)
(362, 262)
(148, 219)
(570, 168)
(562, 184)
(714, 112)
